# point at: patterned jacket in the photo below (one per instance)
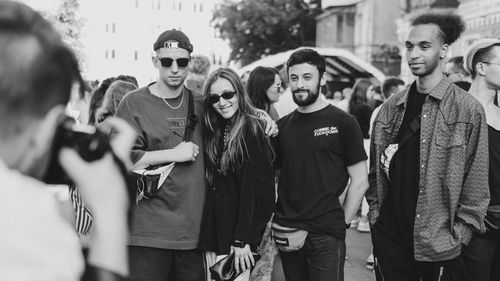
(453, 188)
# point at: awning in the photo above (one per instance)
(340, 64)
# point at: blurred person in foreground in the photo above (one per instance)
(264, 89)
(319, 150)
(482, 255)
(37, 75)
(455, 71)
(239, 165)
(428, 163)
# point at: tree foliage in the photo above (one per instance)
(69, 24)
(255, 28)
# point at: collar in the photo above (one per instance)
(437, 92)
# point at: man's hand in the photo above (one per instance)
(186, 151)
(271, 127)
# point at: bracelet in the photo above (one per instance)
(239, 244)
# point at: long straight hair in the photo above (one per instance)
(259, 81)
(359, 93)
(245, 119)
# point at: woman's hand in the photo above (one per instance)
(243, 258)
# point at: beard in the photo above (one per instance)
(311, 97)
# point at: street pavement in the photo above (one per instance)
(359, 246)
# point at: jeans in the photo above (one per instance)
(321, 258)
(481, 258)
(407, 269)
(153, 264)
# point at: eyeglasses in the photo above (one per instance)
(167, 62)
(277, 86)
(213, 98)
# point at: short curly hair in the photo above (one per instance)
(450, 25)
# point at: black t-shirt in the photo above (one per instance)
(313, 151)
(394, 227)
(494, 174)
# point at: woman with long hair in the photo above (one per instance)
(239, 171)
(358, 105)
(264, 88)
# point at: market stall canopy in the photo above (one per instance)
(340, 64)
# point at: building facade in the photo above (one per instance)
(365, 27)
(119, 34)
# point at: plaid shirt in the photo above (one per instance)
(453, 188)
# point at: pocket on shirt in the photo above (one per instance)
(453, 135)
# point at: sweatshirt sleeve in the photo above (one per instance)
(257, 192)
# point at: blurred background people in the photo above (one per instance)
(198, 73)
(112, 98)
(264, 89)
(454, 70)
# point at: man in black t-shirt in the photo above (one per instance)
(319, 148)
(428, 163)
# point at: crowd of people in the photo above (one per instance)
(168, 180)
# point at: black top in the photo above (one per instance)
(494, 174)
(240, 203)
(363, 112)
(394, 227)
(313, 152)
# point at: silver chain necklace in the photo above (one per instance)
(175, 107)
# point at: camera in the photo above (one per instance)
(90, 143)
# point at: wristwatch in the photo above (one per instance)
(347, 225)
(239, 244)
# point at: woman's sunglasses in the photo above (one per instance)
(213, 98)
(167, 62)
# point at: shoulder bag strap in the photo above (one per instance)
(412, 129)
(191, 119)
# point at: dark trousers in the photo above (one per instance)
(481, 259)
(153, 264)
(407, 269)
(321, 258)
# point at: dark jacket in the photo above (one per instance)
(240, 203)
(454, 193)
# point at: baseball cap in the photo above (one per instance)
(173, 39)
(475, 47)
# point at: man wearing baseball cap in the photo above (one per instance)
(165, 226)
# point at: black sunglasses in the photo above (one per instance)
(213, 98)
(167, 62)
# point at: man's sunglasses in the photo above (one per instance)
(213, 98)
(167, 62)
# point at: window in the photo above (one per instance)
(112, 54)
(173, 5)
(106, 54)
(113, 28)
(107, 27)
(136, 3)
(201, 7)
(136, 55)
(340, 28)
(194, 7)
(158, 5)
(180, 6)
